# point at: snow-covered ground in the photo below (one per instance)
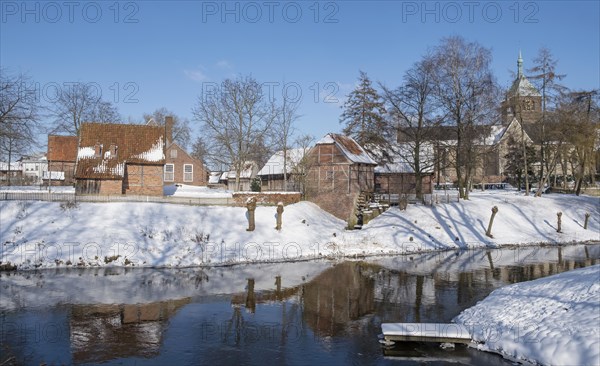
(551, 321)
(184, 190)
(36, 189)
(50, 234)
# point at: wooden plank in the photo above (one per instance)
(426, 332)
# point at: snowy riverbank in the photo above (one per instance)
(49, 234)
(551, 321)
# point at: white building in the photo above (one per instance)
(34, 167)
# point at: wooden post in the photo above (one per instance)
(558, 219)
(251, 206)
(489, 229)
(251, 298)
(279, 215)
(278, 288)
(587, 217)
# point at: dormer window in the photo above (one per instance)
(98, 150)
(113, 150)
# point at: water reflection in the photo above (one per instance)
(296, 313)
(122, 330)
(339, 295)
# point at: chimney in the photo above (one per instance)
(169, 129)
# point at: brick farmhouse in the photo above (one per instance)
(339, 171)
(120, 159)
(62, 156)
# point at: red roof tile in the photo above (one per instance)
(62, 148)
(135, 144)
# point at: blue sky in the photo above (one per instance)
(148, 54)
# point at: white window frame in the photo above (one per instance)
(169, 176)
(189, 175)
(173, 154)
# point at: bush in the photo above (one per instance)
(255, 185)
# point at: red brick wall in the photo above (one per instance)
(339, 205)
(112, 187)
(143, 180)
(333, 182)
(396, 183)
(67, 167)
(199, 173)
(266, 198)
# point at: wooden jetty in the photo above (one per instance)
(425, 332)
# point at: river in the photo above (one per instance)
(315, 312)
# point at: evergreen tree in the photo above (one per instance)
(514, 161)
(363, 116)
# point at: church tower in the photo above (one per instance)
(523, 101)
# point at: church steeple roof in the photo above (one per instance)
(521, 86)
(519, 65)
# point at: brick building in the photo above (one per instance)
(339, 170)
(120, 159)
(181, 168)
(523, 101)
(62, 156)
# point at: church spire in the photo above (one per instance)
(519, 66)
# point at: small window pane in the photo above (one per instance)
(188, 172)
(169, 172)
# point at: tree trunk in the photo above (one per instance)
(545, 179)
(525, 170)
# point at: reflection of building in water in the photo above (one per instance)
(122, 330)
(341, 294)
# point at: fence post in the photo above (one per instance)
(489, 230)
(587, 217)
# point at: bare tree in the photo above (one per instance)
(545, 77)
(182, 133)
(579, 116)
(300, 170)
(81, 102)
(283, 132)
(234, 117)
(467, 93)
(412, 107)
(19, 109)
(200, 150)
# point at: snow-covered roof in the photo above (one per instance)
(214, 177)
(353, 151)
(105, 148)
(496, 133)
(522, 87)
(275, 164)
(154, 154)
(402, 156)
(248, 171)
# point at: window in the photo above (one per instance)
(173, 153)
(169, 172)
(329, 175)
(113, 150)
(188, 172)
(98, 150)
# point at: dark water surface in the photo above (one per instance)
(318, 312)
